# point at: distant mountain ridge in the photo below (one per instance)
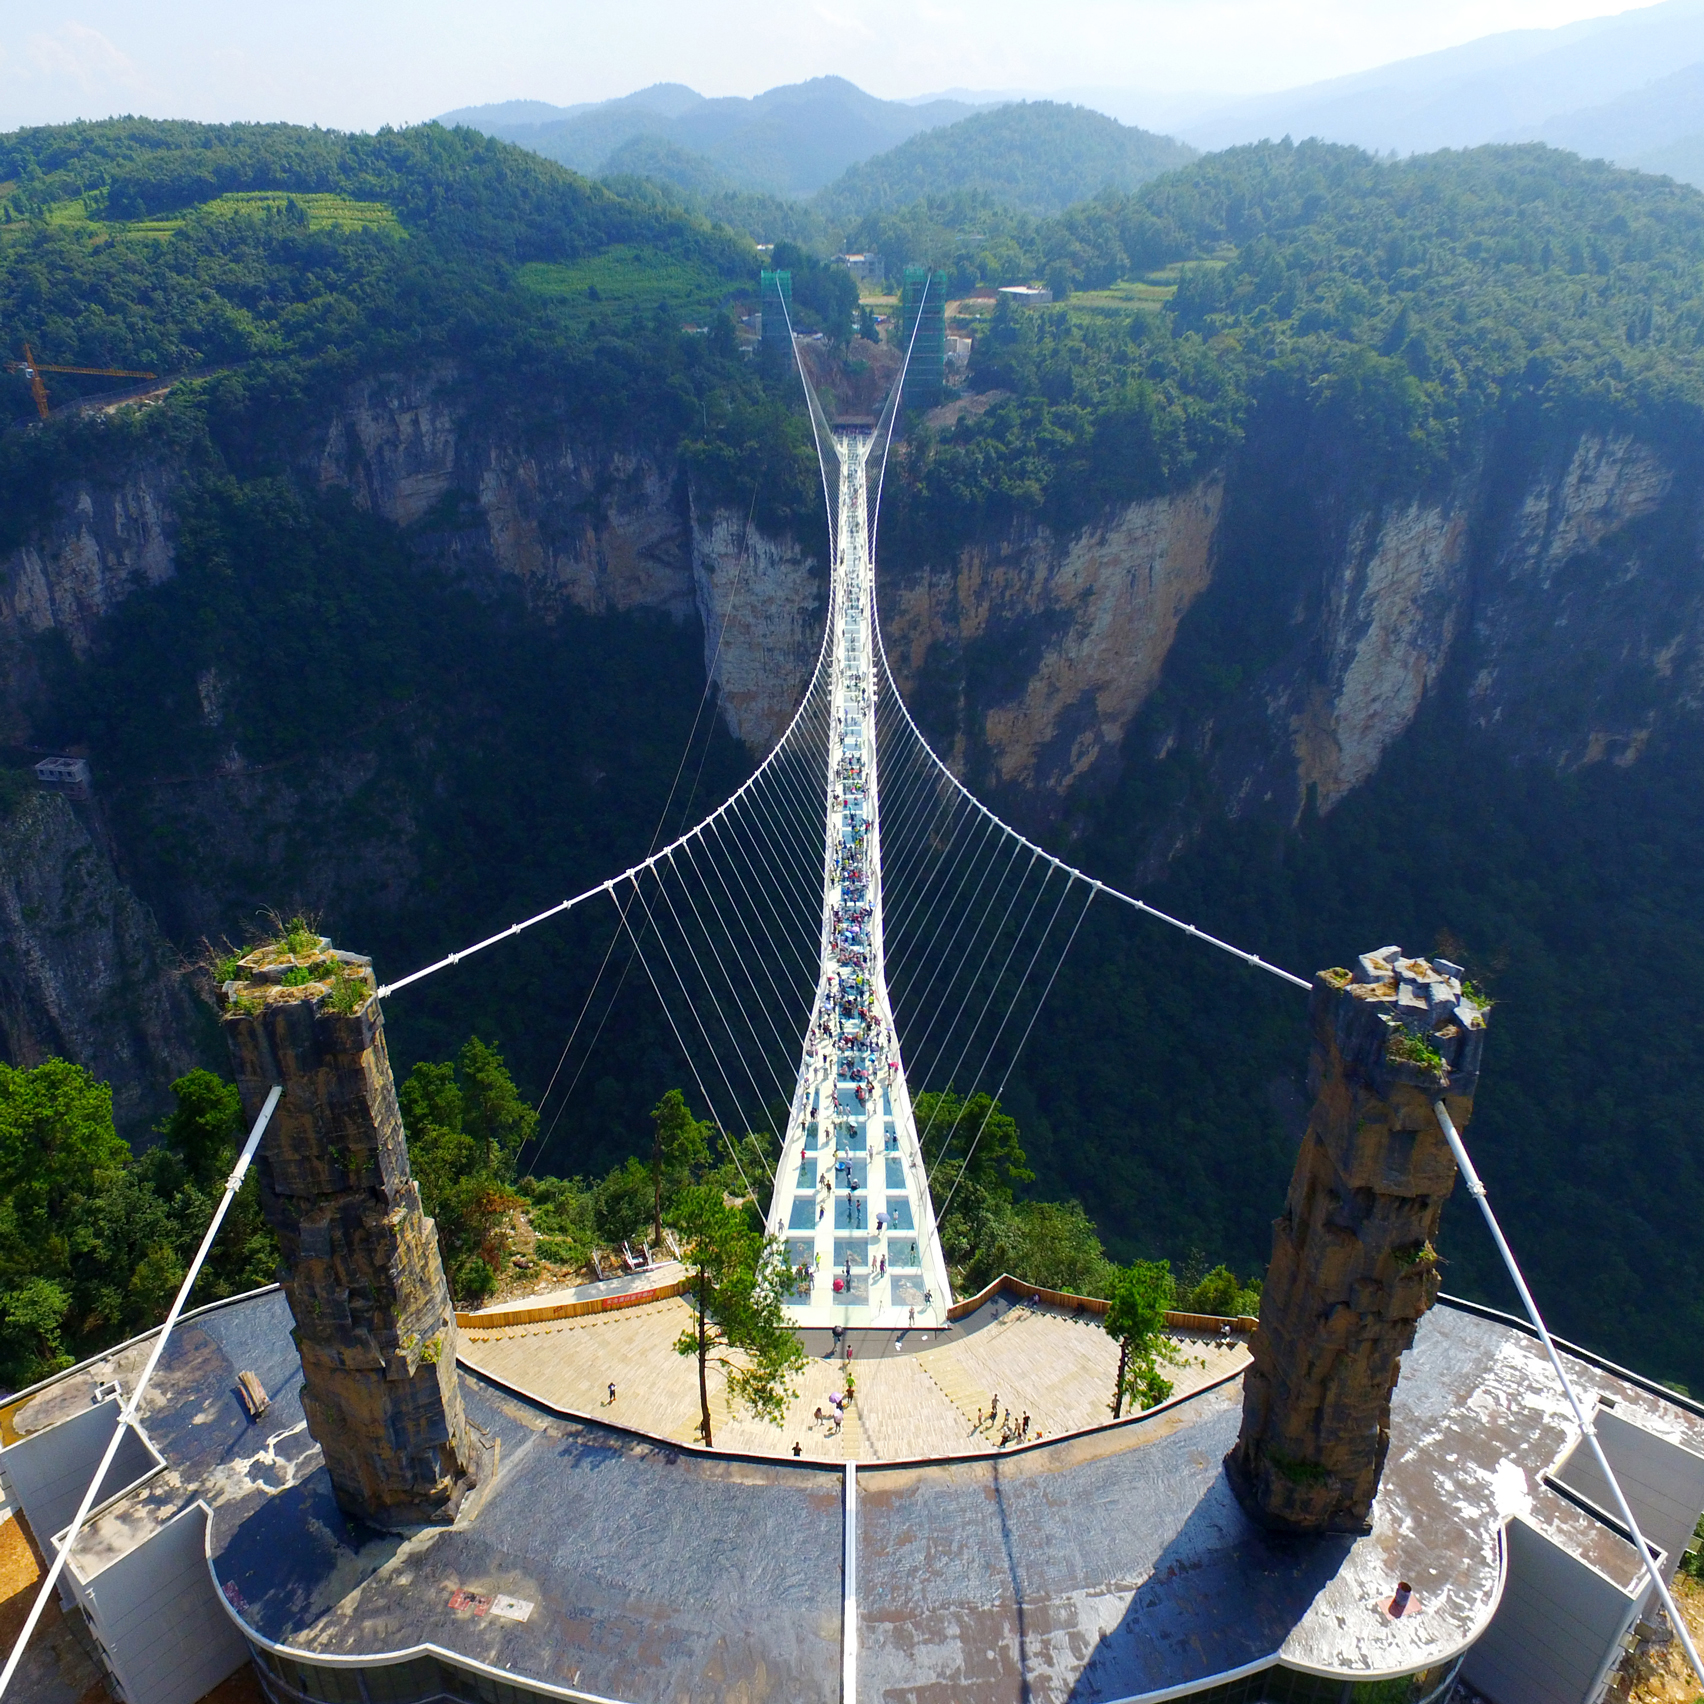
(789, 140)
(1031, 157)
(1627, 88)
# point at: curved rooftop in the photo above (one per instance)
(1107, 1563)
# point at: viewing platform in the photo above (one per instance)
(917, 1393)
(609, 1562)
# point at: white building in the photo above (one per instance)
(65, 775)
(866, 267)
(1026, 295)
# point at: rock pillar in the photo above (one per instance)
(373, 1317)
(1353, 1267)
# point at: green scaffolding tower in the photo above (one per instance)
(923, 306)
(776, 301)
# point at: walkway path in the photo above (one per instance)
(852, 1192)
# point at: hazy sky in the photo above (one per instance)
(361, 63)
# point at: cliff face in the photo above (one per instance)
(1392, 611)
(1590, 627)
(1578, 566)
(599, 529)
(1092, 617)
(762, 602)
(84, 971)
(106, 540)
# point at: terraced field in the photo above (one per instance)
(625, 280)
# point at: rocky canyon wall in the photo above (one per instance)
(85, 973)
(106, 540)
(1092, 615)
(1557, 584)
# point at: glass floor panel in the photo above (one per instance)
(851, 1213)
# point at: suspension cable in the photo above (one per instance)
(127, 1414)
(1252, 959)
(1477, 1190)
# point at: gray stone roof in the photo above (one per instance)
(1096, 1567)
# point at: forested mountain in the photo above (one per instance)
(971, 197)
(1328, 570)
(1034, 157)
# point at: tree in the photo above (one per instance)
(31, 1317)
(1051, 1244)
(680, 1146)
(465, 1123)
(734, 1280)
(204, 1124)
(1137, 1299)
(975, 1139)
(497, 1120)
(58, 1148)
(93, 1242)
(1218, 1292)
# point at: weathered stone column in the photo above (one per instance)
(1353, 1268)
(373, 1317)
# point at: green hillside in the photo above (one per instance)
(176, 247)
(1034, 157)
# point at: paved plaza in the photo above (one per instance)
(923, 1401)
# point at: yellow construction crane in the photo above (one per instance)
(32, 369)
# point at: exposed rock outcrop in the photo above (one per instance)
(85, 973)
(1590, 624)
(1392, 615)
(105, 541)
(762, 602)
(1353, 1268)
(361, 1268)
(597, 528)
(1092, 616)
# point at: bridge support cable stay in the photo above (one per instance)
(1647, 1552)
(128, 1410)
(704, 699)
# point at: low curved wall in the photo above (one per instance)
(1200, 1325)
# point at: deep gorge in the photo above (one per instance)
(1217, 696)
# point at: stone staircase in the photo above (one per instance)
(951, 1379)
(853, 1445)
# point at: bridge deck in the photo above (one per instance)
(852, 1189)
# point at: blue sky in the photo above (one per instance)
(361, 63)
